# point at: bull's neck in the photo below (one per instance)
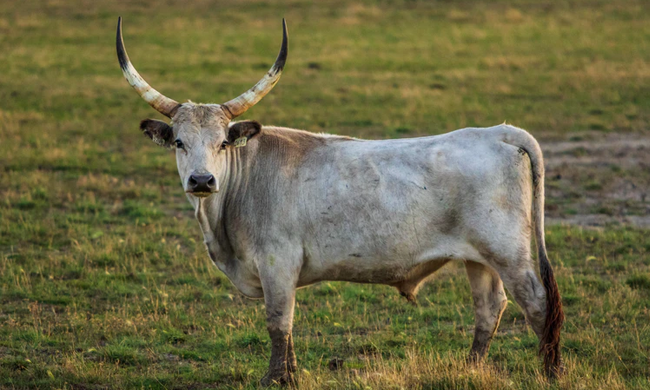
(212, 212)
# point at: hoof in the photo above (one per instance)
(475, 358)
(275, 378)
(335, 363)
(555, 373)
(410, 297)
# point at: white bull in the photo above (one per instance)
(281, 209)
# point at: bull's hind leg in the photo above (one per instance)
(489, 303)
(544, 315)
(524, 285)
(528, 291)
(510, 257)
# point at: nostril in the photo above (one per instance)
(202, 183)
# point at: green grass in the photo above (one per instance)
(104, 282)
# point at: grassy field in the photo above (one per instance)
(104, 281)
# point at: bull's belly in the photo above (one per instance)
(391, 266)
(358, 271)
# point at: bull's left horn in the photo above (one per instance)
(248, 99)
(157, 100)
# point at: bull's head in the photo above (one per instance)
(200, 132)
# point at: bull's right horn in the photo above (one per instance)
(157, 100)
(248, 99)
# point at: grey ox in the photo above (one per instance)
(281, 209)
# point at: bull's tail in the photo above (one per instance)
(549, 346)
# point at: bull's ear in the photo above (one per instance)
(159, 132)
(240, 132)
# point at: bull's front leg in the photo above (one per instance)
(279, 298)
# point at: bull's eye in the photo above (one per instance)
(224, 144)
(179, 144)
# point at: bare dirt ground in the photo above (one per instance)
(598, 179)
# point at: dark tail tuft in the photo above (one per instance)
(549, 346)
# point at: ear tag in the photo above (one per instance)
(241, 141)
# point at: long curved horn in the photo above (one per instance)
(248, 99)
(157, 100)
